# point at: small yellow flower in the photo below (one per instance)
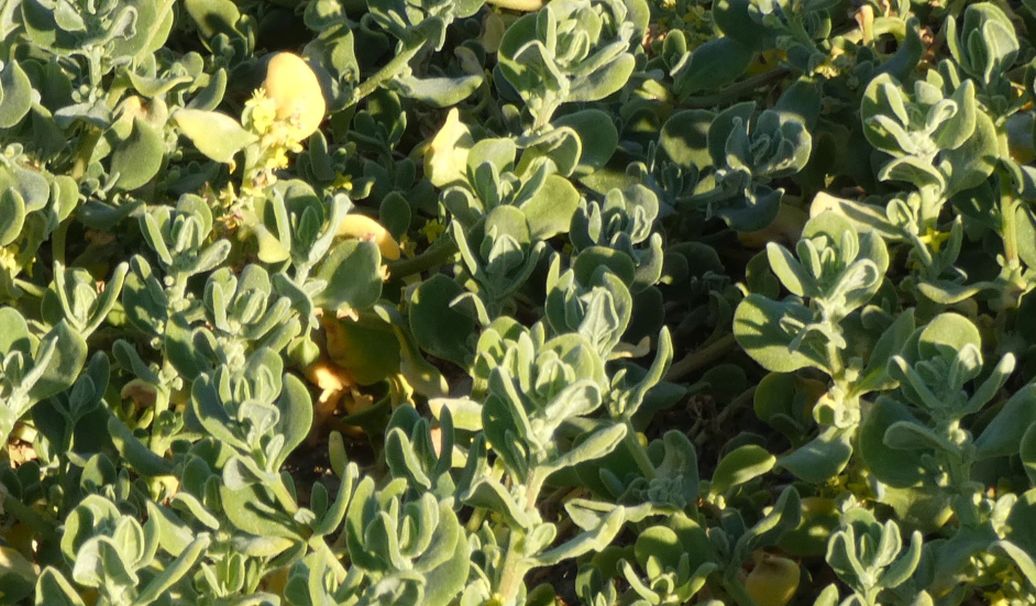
(343, 181)
(432, 230)
(260, 112)
(934, 239)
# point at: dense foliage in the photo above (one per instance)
(437, 302)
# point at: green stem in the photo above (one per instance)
(386, 73)
(1007, 224)
(701, 358)
(29, 516)
(319, 544)
(284, 498)
(513, 569)
(57, 243)
(441, 251)
(834, 361)
(735, 90)
(30, 289)
(84, 152)
(735, 405)
(476, 519)
(640, 455)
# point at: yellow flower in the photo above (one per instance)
(365, 228)
(934, 239)
(432, 230)
(773, 581)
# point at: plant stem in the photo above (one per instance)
(30, 289)
(57, 245)
(319, 544)
(734, 90)
(1007, 224)
(701, 358)
(28, 515)
(386, 73)
(640, 455)
(736, 404)
(441, 251)
(84, 152)
(513, 569)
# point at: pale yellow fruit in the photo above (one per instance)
(141, 392)
(328, 377)
(365, 228)
(294, 87)
(446, 158)
(773, 581)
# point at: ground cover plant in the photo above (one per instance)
(501, 302)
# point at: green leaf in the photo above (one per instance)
(684, 138)
(946, 335)
(438, 92)
(595, 446)
(137, 159)
(439, 328)
(216, 135)
(15, 94)
(603, 82)
(296, 417)
(12, 216)
(735, 20)
(352, 272)
(712, 65)
(739, 466)
(758, 330)
(367, 349)
(214, 17)
(900, 468)
(135, 452)
(1027, 452)
(64, 366)
(549, 211)
(52, 589)
(1021, 527)
(598, 136)
(174, 571)
(822, 458)
(586, 542)
(971, 164)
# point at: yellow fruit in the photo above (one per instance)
(773, 581)
(277, 579)
(446, 158)
(360, 226)
(141, 392)
(328, 377)
(294, 87)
